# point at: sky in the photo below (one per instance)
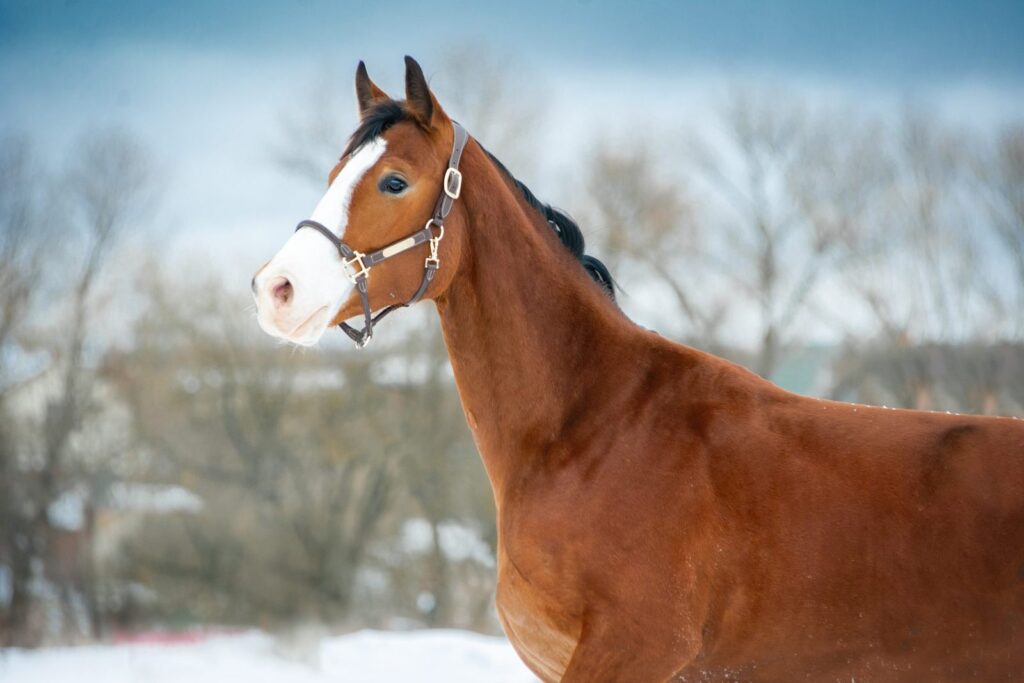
(205, 84)
(918, 39)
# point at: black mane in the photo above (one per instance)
(382, 116)
(565, 227)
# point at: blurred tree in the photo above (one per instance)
(293, 469)
(23, 238)
(930, 242)
(647, 230)
(300, 461)
(977, 377)
(924, 282)
(312, 134)
(47, 455)
(440, 468)
(999, 177)
(789, 192)
(784, 198)
(502, 107)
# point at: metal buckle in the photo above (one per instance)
(352, 273)
(456, 175)
(440, 226)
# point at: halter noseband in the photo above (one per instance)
(357, 265)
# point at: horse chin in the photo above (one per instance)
(309, 341)
(309, 332)
(306, 333)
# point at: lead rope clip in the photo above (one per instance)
(433, 261)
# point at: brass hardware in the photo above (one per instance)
(354, 274)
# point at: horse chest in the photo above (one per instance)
(548, 562)
(538, 620)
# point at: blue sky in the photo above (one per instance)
(205, 83)
(919, 39)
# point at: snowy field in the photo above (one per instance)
(370, 656)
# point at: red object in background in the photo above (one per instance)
(167, 637)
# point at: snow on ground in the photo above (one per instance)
(363, 657)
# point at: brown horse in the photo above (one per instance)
(662, 513)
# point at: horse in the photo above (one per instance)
(662, 514)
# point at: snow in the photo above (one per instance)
(362, 657)
(153, 498)
(68, 510)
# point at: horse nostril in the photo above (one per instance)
(281, 291)
(252, 285)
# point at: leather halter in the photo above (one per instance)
(357, 265)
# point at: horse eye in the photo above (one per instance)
(392, 184)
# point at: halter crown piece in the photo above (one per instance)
(357, 265)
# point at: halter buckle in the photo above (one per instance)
(452, 182)
(353, 273)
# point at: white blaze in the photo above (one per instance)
(312, 264)
(332, 210)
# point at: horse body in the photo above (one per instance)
(742, 550)
(662, 511)
(664, 514)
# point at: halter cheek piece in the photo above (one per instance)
(357, 265)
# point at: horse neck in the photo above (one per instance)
(531, 338)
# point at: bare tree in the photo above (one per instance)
(501, 106)
(105, 181)
(788, 197)
(932, 279)
(313, 130)
(647, 227)
(933, 248)
(1000, 182)
(24, 239)
(294, 471)
(22, 251)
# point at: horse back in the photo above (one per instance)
(863, 537)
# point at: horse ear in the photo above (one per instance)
(418, 98)
(367, 92)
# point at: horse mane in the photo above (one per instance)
(568, 231)
(384, 115)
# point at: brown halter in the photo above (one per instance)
(357, 265)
